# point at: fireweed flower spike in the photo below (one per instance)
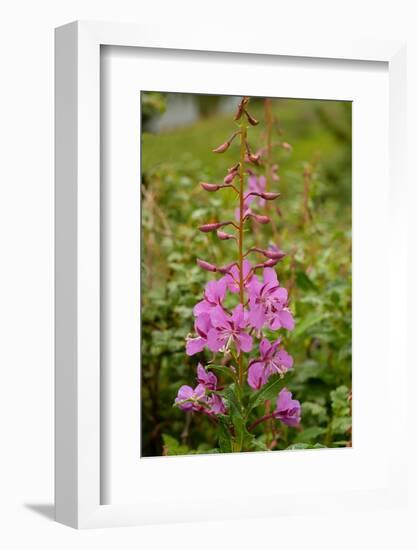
(237, 307)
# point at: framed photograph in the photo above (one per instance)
(229, 329)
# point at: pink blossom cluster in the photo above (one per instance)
(202, 398)
(220, 330)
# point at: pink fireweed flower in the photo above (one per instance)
(288, 410)
(228, 329)
(273, 359)
(215, 405)
(189, 399)
(232, 279)
(202, 326)
(268, 303)
(206, 378)
(213, 296)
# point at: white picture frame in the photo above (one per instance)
(78, 404)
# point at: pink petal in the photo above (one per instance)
(264, 346)
(202, 307)
(270, 276)
(218, 317)
(245, 342)
(203, 323)
(256, 376)
(238, 316)
(213, 342)
(286, 319)
(256, 317)
(194, 345)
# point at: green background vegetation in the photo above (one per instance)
(313, 224)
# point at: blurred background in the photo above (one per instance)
(312, 224)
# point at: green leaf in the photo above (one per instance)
(268, 391)
(297, 446)
(341, 425)
(309, 434)
(307, 323)
(340, 401)
(173, 447)
(225, 440)
(303, 281)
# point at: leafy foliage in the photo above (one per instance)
(317, 271)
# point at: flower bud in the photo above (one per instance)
(230, 177)
(225, 146)
(225, 236)
(234, 168)
(276, 254)
(269, 196)
(211, 187)
(286, 146)
(259, 218)
(252, 121)
(226, 268)
(222, 148)
(206, 228)
(264, 195)
(254, 158)
(270, 263)
(241, 107)
(206, 266)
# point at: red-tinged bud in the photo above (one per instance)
(286, 146)
(234, 168)
(270, 196)
(211, 187)
(225, 146)
(259, 218)
(230, 177)
(225, 236)
(274, 255)
(226, 268)
(252, 121)
(222, 148)
(253, 158)
(241, 107)
(206, 228)
(264, 195)
(270, 263)
(206, 266)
